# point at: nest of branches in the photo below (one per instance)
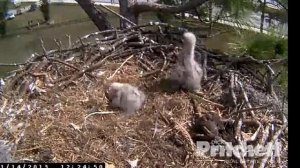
(54, 108)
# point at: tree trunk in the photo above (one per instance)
(131, 10)
(198, 14)
(97, 16)
(45, 10)
(262, 19)
(3, 10)
(210, 10)
(182, 14)
(127, 12)
(140, 6)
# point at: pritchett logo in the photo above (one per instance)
(243, 150)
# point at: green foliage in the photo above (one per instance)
(281, 47)
(3, 9)
(283, 78)
(202, 10)
(261, 46)
(2, 27)
(236, 8)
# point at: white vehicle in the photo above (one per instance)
(9, 15)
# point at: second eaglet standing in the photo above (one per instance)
(187, 73)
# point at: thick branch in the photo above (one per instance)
(95, 14)
(127, 13)
(280, 4)
(140, 7)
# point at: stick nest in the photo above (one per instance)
(54, 109)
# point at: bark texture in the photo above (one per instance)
(131, 9)
(96, 15)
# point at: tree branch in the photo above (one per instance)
(96, 15)
(140, 7)
(279, 4)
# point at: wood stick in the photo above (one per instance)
(122, 17)
(12, 64)
(62, 62)
(43, 47)
(69, 40)
(251, 109)
(204, 67)
(57, 44)
(272, 142)
(231, 89)
(109, 78)
(246, 97)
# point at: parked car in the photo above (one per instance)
(9, 15)
(33, 7)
